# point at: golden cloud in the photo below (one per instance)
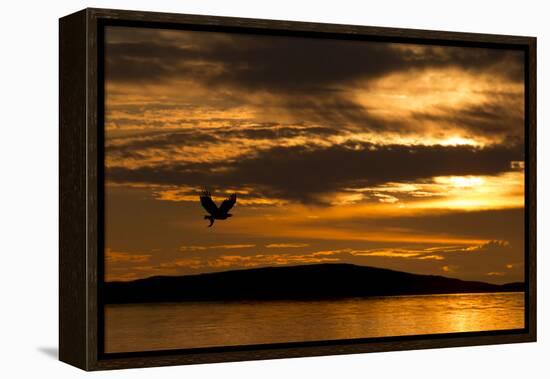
(286, 245)
(120, 257)
(207, 247)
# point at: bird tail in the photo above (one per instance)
(211, 220)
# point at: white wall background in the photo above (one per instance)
(29, 183)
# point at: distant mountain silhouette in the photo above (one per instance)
(307, 282)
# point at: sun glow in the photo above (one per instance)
(460, 181)
(459, 141)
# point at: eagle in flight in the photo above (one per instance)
(215, 212)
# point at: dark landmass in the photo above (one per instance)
(307, 282)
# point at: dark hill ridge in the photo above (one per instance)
(307, 282)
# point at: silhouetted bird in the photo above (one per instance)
(215, 212)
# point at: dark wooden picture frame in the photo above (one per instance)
(81, 189)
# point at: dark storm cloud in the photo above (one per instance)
(299, 173)
(314, 66)
(279, 132)
(162, 140)
(489, 119)
(136, 145)
(154, 106)
(146, 61)
(338, 112)
(310, 77)
(286, 64)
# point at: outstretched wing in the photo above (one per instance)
(207, 203)
(228, 203)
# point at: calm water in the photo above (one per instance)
(143, 327)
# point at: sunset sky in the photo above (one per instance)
(400, 156)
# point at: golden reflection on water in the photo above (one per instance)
(145, 327)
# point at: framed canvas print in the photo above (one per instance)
(238, 189)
